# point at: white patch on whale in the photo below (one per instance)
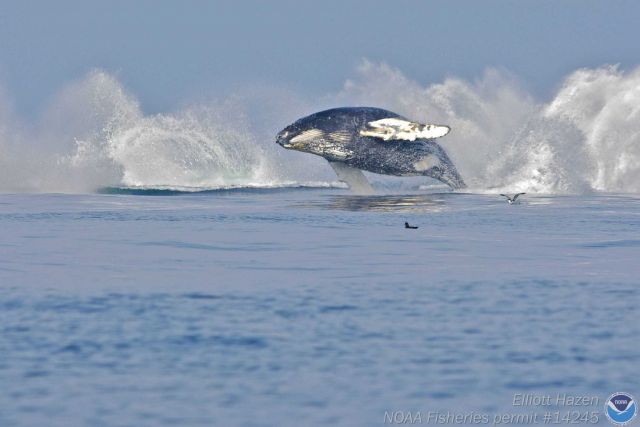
(308, 135)
(425, 163)
(340, 136)
(337, 152)
(398, 129)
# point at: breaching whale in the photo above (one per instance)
(354, 139)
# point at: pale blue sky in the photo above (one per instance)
(169, 52)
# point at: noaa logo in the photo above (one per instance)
(621, 408)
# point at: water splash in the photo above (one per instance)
(586, 139)
(94, 135)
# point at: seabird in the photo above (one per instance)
(512, 199)
(413, 227)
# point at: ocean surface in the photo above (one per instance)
(311, 306)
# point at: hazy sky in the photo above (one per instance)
(169, 52)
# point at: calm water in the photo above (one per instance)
(310, 307)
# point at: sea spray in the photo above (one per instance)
(94, 134)
(201, 146)
(587, 138)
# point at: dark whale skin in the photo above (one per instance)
(341, 141)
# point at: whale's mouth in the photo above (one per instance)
(282, 140)
(286, 143)
(292, 146)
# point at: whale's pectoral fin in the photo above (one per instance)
(397, 129)
(353, 177)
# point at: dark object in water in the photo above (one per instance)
(413, 227)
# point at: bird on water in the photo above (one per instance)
(512, 199)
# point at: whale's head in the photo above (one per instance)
(300, 135)
(310, 135)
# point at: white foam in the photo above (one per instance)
(94, 134)
(586, 138)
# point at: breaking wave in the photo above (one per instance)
(94, 135)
